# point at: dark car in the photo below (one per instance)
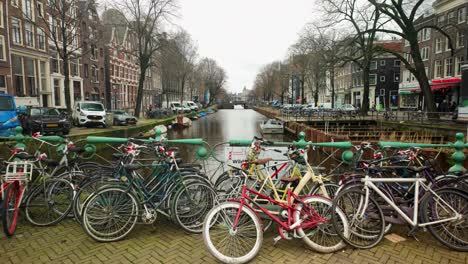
(46, 120)
(123, 118)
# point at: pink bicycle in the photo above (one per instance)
(233, 230)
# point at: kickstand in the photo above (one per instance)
(276, 239)
(412, 232)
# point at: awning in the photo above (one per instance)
(406, 92)
(442, 84)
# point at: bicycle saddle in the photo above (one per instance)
(290, 179)
(417, 169)
(261, 161)
(132, 166)
(51, 162)
(24, 156)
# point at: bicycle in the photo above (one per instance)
(241, 224)
(442, 210)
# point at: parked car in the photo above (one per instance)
(347, 108)
(123, 118)
(88, 113)
(175, 106)
(191, 105)
(46, 120)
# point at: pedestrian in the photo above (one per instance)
(443, 106)
(453, 106)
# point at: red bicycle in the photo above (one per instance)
(13, 186)
(233, 231)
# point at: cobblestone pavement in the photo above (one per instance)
(165, 243)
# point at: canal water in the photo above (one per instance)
(220, 127)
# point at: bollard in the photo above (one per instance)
(458, 156)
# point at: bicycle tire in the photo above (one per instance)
(49, 202)
(200, 197)
(359, 228)
(10, 208)
(325, 231)
(229, 211)
(331, 189)
(456, 240)
(101, 230)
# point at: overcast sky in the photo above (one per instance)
(243, 35)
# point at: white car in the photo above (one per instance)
(193, 106)
(88, 113)
(347, 108)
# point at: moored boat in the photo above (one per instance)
(272, 126)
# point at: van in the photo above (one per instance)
(87, 113)
(8, 115)
(190, 104)
(175, 106)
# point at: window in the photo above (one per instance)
(54, 63)
(451, 15)
(2, 48)
(17, 65)
(40, 39)
(458, 64)
(426, 34)
(373, 65)
(74, 66)
(382, 92)
(441, 19)
(94, 74)
(438, 45)
(447, 46)
(372, 79)
(437, 69)
(29, 68)
(460, 39)
(397, 63)
(57, 92)
(29, 38)
(28, 10)
(1, 14)
(93, 52)
(448, 67)
(85, 69)
(16, 25)
(382, 63)
(42, 65)
(425, 53)
(382, 78)
(396, 77)
(2, 82)
(53, 27)
(40, 9)
(461, 15)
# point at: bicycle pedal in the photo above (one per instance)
(276, 239)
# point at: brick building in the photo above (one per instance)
(24, 60)
(123, 70)
(92, 59)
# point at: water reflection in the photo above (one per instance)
(223, 126)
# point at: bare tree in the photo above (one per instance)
(404, 14)
(364, 19)
(212, 76)
(145, 18)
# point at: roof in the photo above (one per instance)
(114, 20)
(391, 45)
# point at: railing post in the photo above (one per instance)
(458, 157)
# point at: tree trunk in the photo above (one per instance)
(332, 86)
(66, 82)
(423, 81)
(141, 80)
(317, 84)
(107, 83)
(365, 97)
(302, 89)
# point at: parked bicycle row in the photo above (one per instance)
(328, 209)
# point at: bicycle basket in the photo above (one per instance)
(18, 171)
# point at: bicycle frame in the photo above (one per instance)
(289, 206)
(418, 182)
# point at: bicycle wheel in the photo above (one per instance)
(454, 233)
(49, 202)
(365, 219)
(323, 237)
(10, 208)
(110, 214)
(84, 192)
(227, 244)
(191, 204)
(229, 186)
